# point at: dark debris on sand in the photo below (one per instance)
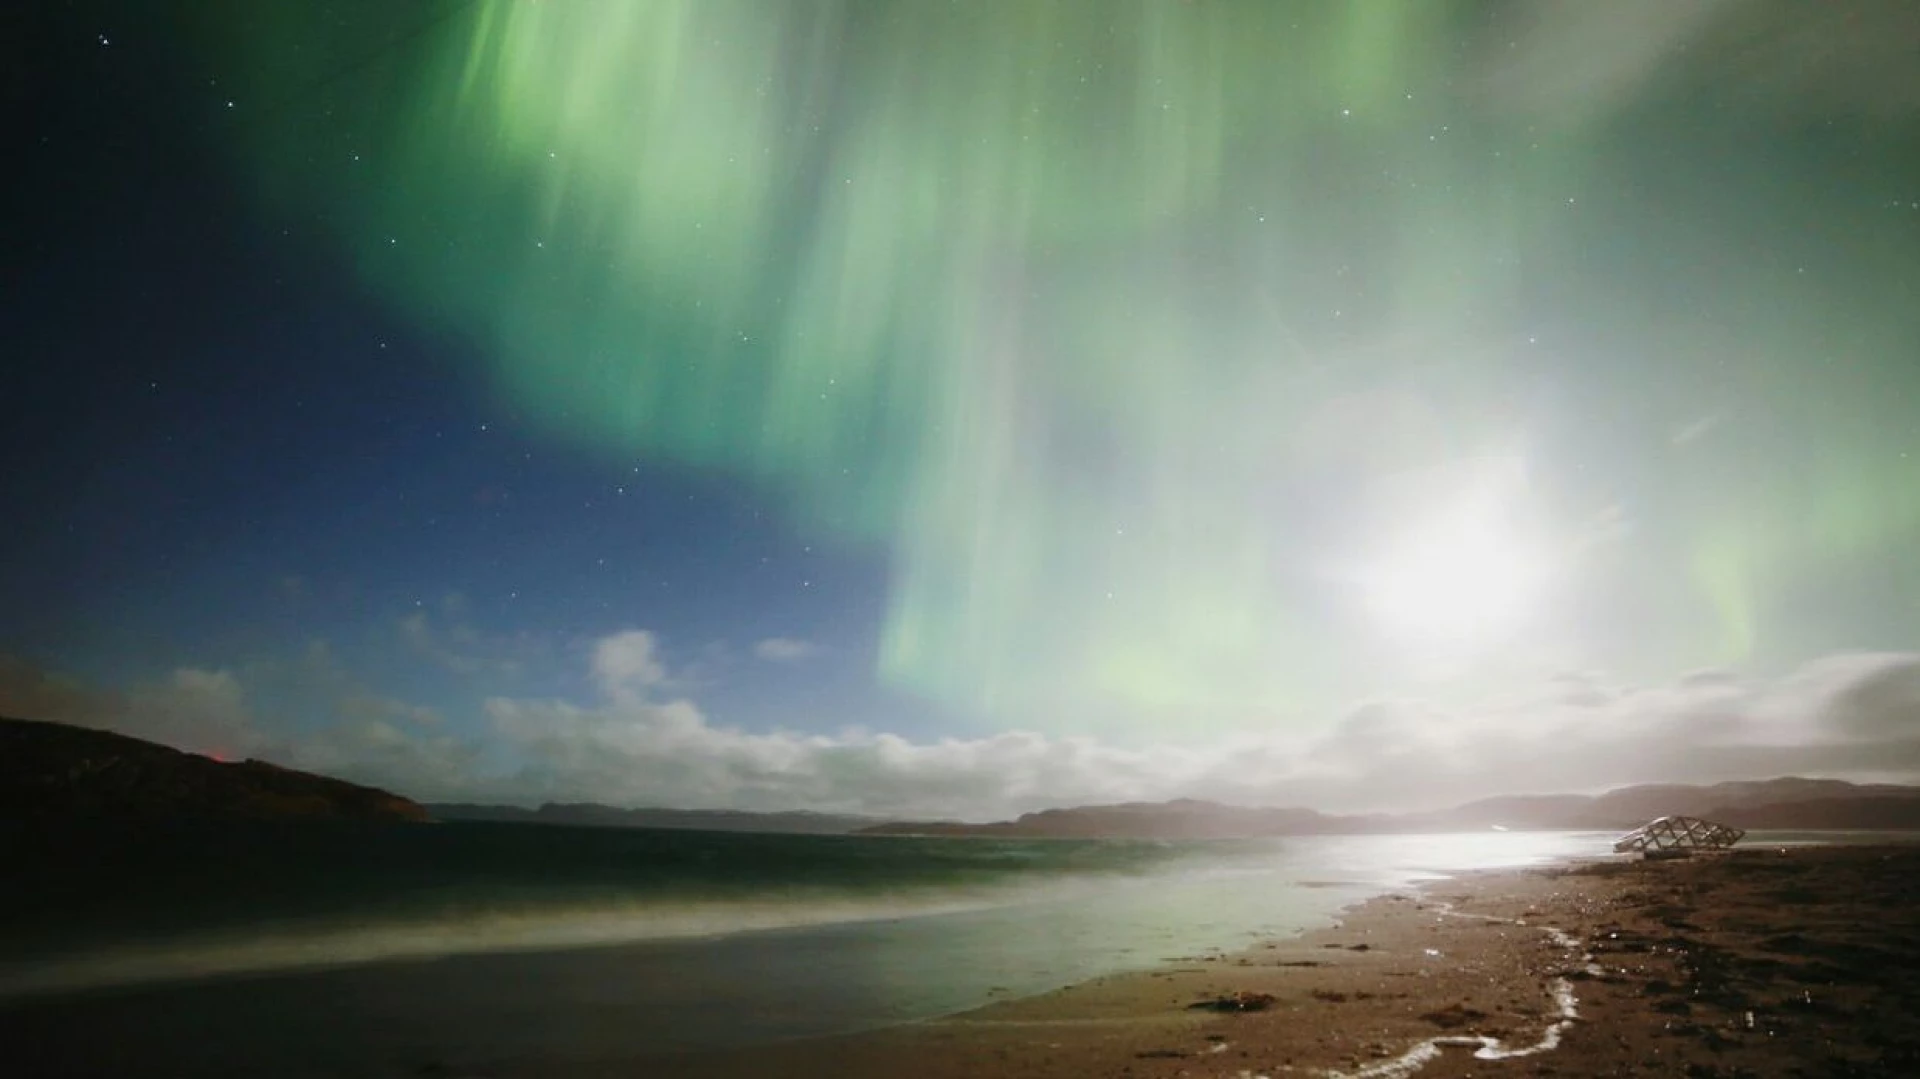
(1235, 1002)
(1760, 962)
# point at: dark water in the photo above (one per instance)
(90, 906)
(484, 947)
(357, 892)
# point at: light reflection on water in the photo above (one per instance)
(492, 995)
(488, 998)
(1299, 884)
(937, 949)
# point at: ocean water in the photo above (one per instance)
(94, 908)
(472, 944)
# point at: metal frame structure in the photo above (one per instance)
(1678, 834)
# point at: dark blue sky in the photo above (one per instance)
(222, 447)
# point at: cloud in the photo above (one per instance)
(202, 711)
(198, 710)
(1850, 716)
(384, 753)
(1856, 697)
(1838, 716)
(1845, 715)
(459, 647)
(627, 662)
(418, 632)
(785, 649)
(642, 743)
(370, 739)
(633, 752)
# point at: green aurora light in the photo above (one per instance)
(1121, 327)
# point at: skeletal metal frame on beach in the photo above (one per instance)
(1679, 833)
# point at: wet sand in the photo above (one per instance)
(1761, 962)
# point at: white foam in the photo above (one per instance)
(1485, 1047)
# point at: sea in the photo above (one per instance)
(468, 944)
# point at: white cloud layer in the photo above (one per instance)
(785, 649)
(1854, 715)
(627, 663)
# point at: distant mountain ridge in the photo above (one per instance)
(56, 773)
(1787, 803)
(1184, 818)
(596, 815)
(1732, 803)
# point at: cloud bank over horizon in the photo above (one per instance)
(637, 741)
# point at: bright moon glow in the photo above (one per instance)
(1459, 580)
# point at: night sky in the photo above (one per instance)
(964, 408)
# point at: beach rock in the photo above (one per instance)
(1236, 1002)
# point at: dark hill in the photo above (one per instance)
(1770, 800)
(1182, 819)
(55, 773)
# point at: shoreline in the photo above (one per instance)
(1760, 961)
(1763, 961)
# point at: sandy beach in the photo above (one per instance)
(1761, 962)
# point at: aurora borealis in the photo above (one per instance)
(1175, 366)
(1108, 322)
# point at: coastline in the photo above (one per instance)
(1762, 961)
